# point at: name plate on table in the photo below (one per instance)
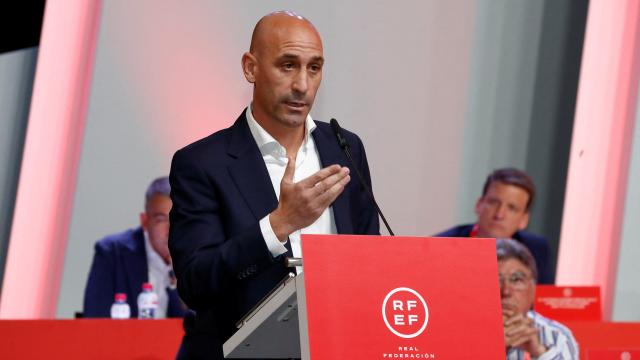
(569, 303)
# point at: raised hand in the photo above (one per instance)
(303, 202)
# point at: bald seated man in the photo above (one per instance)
(243, 195)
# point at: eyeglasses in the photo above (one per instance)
(518, 280)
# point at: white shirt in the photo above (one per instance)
(307, 163)
(158, 277)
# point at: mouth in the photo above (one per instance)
(508, 305)
(295, 105)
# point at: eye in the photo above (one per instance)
(492, 201)
(160, 218)
(315, 68)
(288, 66)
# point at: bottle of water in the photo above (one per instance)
(120, 309)
(147, 302)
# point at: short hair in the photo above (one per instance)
(512, 176)
(159, 186)
(512, 249)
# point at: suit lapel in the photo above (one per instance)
(136, 262)
(330, 153)
(249, 172)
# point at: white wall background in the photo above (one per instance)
(626, 301)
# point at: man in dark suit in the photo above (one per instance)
(124, 261)
(503, 212)
(242, 196)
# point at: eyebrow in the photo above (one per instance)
(288, 56)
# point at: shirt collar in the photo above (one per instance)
(153, 259)
(264, 140)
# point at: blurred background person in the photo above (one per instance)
(503, 212)
(124, 261)
(527, 334)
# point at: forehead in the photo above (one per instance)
(291, 36)
(159, 203)
(512, 265)
(507, 192)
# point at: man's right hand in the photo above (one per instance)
(303, 202)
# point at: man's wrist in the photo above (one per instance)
(279, 227)
(540, 350)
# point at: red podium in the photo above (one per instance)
(377, 297)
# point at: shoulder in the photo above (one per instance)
(530, 239)
(126, 240)
(214, 147)
(457, 231)
(204, 149)
(549, 325)
(327, 131)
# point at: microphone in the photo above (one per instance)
(342, 142)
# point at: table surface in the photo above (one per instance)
(90, 339)
(160, 339)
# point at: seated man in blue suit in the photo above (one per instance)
(124, 261)
(503, 212)
(243, 195)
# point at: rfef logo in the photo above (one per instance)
(405, 312)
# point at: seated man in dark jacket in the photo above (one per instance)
(503, 212)
(124, 261)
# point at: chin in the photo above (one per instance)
(293, 122)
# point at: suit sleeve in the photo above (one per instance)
(208, 261)
(99, 293)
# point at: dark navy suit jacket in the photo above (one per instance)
(120, 266)
(220, 189)
(536, 244)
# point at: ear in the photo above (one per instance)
(249, 65)
(478, 205)
(524, 221)
(144, 220)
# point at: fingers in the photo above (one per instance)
(526, 336)
(517, 318)
(320, 175)
(290, 170)
(325, 199)
(328, 183)
(518, 330)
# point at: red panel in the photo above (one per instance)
(605, 335)
(612, 354)
(90, 339)
(364, 291)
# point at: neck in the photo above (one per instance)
(290, 138)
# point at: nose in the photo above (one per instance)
(500, 211)
(300, 82)
(505, 290)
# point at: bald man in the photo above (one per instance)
(243, 195)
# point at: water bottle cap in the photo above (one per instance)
(147, 286)
(121, 297)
